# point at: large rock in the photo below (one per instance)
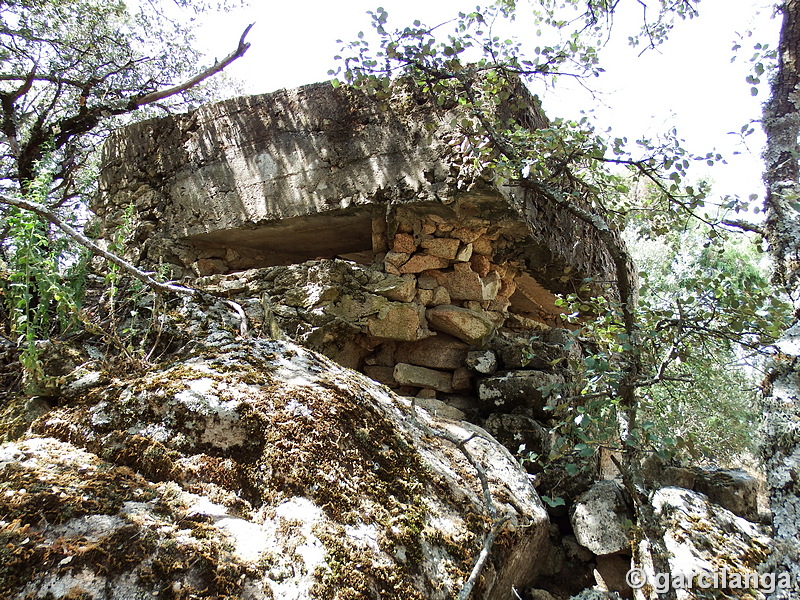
(733, 489)
(519, 433)
(257, 469)
(601, 520)
(465, 284)
(400, 289)
(406, 374)
(437, 352)
(398, 321)
(704, 539)
(533, 350)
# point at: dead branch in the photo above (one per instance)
(497, 522)
(84, 241)
(213, 70)
(482, 558)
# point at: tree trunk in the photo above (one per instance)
(781, 400)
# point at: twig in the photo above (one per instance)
(497, 522)
(482, 558)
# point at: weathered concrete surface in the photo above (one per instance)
(323, 171)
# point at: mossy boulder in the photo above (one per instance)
(270, 470)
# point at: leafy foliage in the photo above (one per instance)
(69, 71)
(711, 316)
(43, 282)
(66, 67)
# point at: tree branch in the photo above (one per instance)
(743, 225)
(216, 68)
(76, 235)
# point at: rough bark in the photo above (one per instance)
(781, 402)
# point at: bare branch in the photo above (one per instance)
(482, 558)
(160, 95)
(76, 235)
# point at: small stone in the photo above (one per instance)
(499, 304)
(406, 374)
(468, 234)
(425, 297)
(526, 322)
(231, 255)
(384, 354)
(531, 297)
(610, 573)
(462, 380)
(404, 243)
(483, 362)
(397, 259)
(483, 246)
(427, 282)
(441, 296)
(400, 289)
(464, 253)
(470, 326)
(442, 247)
(380, 374)
(733, 489)
(574, 551)
(428, 228)
(424, 262)
(600, 518)
(480, 264)
(465, 284)
(444, 227)
(210, 266)
(379, 243)
(426, 393)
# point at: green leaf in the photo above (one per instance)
(554, 501)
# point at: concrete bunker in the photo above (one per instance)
(365, 230)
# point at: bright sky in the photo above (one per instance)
(689, 82)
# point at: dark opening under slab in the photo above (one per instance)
(307, 237)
